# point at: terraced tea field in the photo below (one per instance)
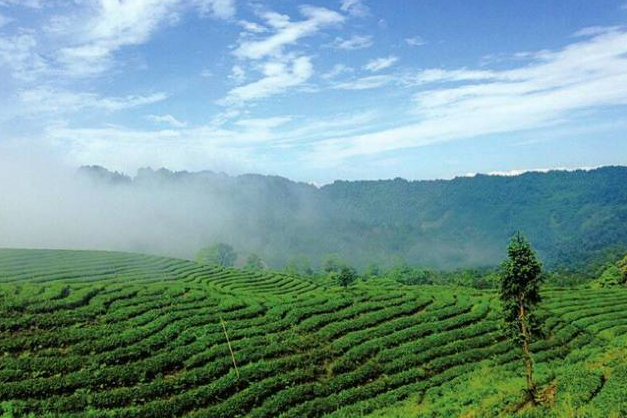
(101, 334)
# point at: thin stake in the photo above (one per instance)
(229, 344)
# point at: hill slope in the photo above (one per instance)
(115, 335)
(571, 217)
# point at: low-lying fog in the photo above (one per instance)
(48, 205)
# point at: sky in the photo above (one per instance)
(315, 91)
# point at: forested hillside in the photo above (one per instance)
(572, 217)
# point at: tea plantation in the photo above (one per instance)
(105, 334)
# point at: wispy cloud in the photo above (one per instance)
(33, 4)
(84, 41)
(338, 69)
(352, 43)
(263, 123)
(246, 141)
(19, 53)
(114, 25)
(238, 74)
(252, 27)
(596, 30)
(286, 32)
(379, 64)
(415, 41)
(223, 9)
(49, 99)
(355, 7)
(365, 83)
(280, 69)
(4, 20)
(277, 77)
(167, 119)
(588, 74)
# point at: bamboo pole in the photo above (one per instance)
(226, 335)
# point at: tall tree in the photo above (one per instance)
(346, 276)
(520, 293)
(254, 262)
(299, 264)
(372, 271)
(220, 254)
(333, 263)
(622, 265)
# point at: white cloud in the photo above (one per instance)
(584, 75)
(48, 99)
(365, 83)
(338, 69)
(309, 131)
(115, 24)
(252, 27)
(33, 4)
(167, 119)
(280, 69)
(596, 30)
(83, 40)
(438, 75)
(5, 20)
(278, 76)
(199, 147)
(354, 7)
(206, 73)
(379, 64)
(224, 9)
(125, 149)
(518, 172)
(354, 42)
(238, 74)
(415, 41)
(287, 32)
(19, 53)
(257, 124)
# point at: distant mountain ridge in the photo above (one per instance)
(570, 216)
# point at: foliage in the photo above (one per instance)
(254, 262)
(575, 219)
(578, 385)
(373, 271)
(333, 263)
(108, 334)
(520, 288)
(404, 273)
(300, 265)
(613, 275)
(346, 276)
(219, 254)
(520, 293)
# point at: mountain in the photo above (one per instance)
(571, 217)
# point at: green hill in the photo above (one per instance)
(106, 334)
(572, 217)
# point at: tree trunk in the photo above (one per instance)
(531, 386)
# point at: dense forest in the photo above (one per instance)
(573, 218)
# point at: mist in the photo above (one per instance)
(49, 204)
(438, 224)
(46, 204)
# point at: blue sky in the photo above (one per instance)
(316, 91)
